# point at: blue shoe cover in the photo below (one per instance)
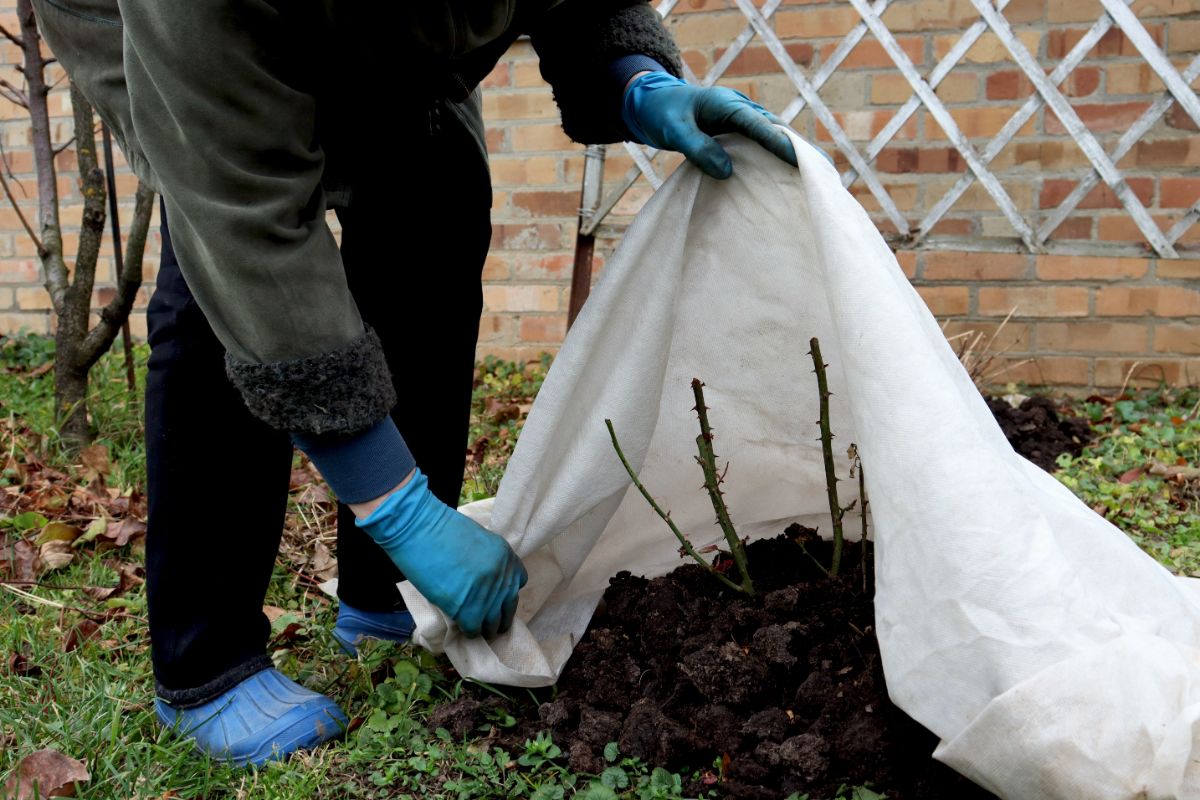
(265, 717)
(353, 626)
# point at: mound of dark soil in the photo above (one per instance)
(785, 688)
(1037, 431)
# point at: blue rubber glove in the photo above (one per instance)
(462, 568)
(664, 112)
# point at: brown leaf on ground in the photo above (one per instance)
(19, 561)
(273, 612)
(59, 532)
(55, 554)
(46, 773)
(1129, 476)
(41, 369)
(80, 633)
(95, 459)
(20, 665)
(131, 575)
(323, 565)
(121, 532)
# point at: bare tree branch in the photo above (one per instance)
(7, 34)
(14, 94)
(21, 214)
(91, 185)
(65, 145)
(100, 338)
(54, 267)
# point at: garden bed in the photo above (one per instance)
(754, 697)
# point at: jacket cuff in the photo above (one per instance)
(343, 391)
(363, 466)
(620, 72)
(578, 66)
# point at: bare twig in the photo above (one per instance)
(65, 145)
(21, 215)
(856, 467)
(7, 34)
(836, 512)
(684, 544)
(14, 94)
(712, 482)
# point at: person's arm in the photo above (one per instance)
(615, 73)
(221, 99)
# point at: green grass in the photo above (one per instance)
(91, 697)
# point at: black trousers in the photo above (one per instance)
(414, 240)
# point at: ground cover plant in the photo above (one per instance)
(74, 661)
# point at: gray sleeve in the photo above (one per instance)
(222, 103)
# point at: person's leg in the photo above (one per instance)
(415, 269)
(218, 482)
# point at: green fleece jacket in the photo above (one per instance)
(242, 113)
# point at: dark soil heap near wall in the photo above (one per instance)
(1037, 431)
(787, 686)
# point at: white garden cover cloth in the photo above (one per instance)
(1051, 656)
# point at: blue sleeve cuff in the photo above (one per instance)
(620, 72)
(626, 67)
(360, 467)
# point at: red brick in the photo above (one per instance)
(543, 328)
(1070, 268)
(990, 337)
(1092, 337)
(1113, 43)
(1154, 301)
(1114, 372)
(952, 226)
(548, 204)
(29, 322)
(945, 301)
(869, 54)
(549, 267)
(545, 137)
(907, 259)
(22, 271)
(496, 268)
(1008, 84)
(1167, 153)
(1188, 269)
(1100, 118)
(495, 328)
(500, 76)
(1055, 190)
(526, 237)
(1178, 118)
(1179, 192)
(520, 298)
(1033, 301)
(902, 160)
(757, 60)
(1073, 228)
(1042, 371)
(494, 138)
(1177, 339)
(941, 266)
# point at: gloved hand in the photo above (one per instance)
(465, 570)
(665, 112)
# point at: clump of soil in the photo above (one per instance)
(785, 688)
(1037, 431)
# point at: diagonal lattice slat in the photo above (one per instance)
(1015, 123)
(1078, 131)
(1128, 139)
(1103, 162)
(822, 112)
(949, 126)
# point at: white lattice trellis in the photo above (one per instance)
(1031, 236)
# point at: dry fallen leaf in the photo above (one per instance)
(19, 561)
(46, 773)
(87, 629)
(323, 565)
(273, 612)
(55, 554)
(95, 460)
(121, 532)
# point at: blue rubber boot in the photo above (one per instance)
(266, 717)
(353, 626)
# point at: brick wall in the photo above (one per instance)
(1083, 320)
